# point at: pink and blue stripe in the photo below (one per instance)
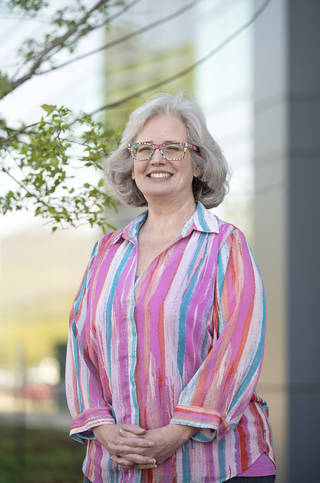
(180, 344)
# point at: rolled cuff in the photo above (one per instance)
(211, 424)
(81, 427)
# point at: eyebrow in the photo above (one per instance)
(164, 142)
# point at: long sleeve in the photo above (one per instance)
(216, 397)
(87, 389)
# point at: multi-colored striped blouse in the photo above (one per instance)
(182, 343)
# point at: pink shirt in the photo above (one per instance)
(264, 466)
(181, 344)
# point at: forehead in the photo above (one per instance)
(163, 128)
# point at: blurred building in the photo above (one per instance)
(188, 33)
(287, 235)
(40, 273)
(223, 88)
(154, 54)
(260, 94)
(158, 41)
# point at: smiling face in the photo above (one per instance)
(158, 178)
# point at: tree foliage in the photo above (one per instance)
(44, 160)
(55, 164)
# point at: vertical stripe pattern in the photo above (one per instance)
(182, 344)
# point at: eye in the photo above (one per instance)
(144, 148)
(174, 148)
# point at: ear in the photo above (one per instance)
(196, 172)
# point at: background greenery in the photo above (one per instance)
(39, 456)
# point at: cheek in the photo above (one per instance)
(137, 171)
(134, 171)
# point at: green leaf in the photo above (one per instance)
(49, 108)
(4, 84)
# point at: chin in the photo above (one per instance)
(157, 192)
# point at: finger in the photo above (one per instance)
(124, 463)
(138, 467)
(136, 442)
(130, 466)
(145, 467)
(122, 449)
(134, 459)
(133, 428)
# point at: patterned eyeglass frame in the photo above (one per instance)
(185, 146)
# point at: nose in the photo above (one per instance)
(157, 157)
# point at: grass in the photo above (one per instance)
(39, 456)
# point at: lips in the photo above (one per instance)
(159, 174)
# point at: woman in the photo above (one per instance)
(166, 332)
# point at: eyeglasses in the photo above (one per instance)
(170, 151)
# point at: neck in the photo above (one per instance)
(168, 218)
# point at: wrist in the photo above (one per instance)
(102, 429)
(185, 432)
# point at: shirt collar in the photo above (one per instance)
(130, 232)
(202, 220)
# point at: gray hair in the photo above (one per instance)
(211, 185)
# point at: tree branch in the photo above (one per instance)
(188, 69)
(58, 42)
(118, 14)
(17, 132)
(124, 38)
(33, 195)
(106, 22)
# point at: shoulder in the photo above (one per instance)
(115, 238)
(108, 239)
(102, 246)
(208, 221)
(230, 233)
(230, 237)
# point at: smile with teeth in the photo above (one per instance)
(159, 175)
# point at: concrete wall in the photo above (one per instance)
(304, 240)
(287, 155)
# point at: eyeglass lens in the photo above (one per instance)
(171, 152)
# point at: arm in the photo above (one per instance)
(216, 397)
(88, 403)
(88, 391)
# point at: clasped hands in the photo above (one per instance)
(131, 446)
